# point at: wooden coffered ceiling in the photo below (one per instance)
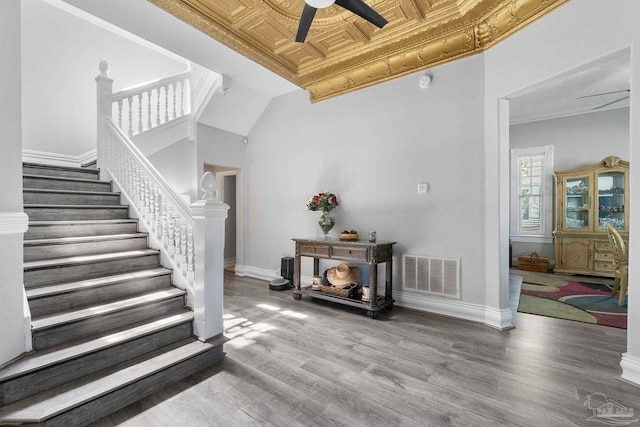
(343, 52)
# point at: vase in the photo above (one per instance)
(326, 223)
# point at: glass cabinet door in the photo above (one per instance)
(577, 203)
(611, 200)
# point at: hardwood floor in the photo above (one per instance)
(312, 363)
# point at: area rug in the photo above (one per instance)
(582, 299)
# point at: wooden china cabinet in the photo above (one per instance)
(586, 200)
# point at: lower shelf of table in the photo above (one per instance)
(380, 303)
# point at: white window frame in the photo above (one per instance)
(546, 193)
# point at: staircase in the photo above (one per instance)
(108, 326)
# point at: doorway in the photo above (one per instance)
(229, 192)
(574, 113)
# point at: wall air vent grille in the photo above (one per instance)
(431, 275)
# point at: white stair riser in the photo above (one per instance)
(39, 252)
(35, 382)
(101, 295)
(71, 273)
(57, 184)
(83, 213)
(70, 198)
(100, 324)
(63, 172)
(76, 230)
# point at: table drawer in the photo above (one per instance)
(604, 256)
(604, 266)
(603, 245)
(314, 250)
(351, 253)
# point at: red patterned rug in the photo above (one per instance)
(566, 299)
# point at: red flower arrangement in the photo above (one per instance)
(323, 202)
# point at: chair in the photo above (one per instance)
(619, 264)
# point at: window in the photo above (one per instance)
(531, 194)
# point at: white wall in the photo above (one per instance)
(60, 55)
(578, 141)
(12, 338)
(575, 34)
(372, 148)
(176, 164)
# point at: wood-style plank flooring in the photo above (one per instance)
(313, 363)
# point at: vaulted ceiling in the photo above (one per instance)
(342, 51)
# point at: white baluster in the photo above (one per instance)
(130, 131)
(170, 234)
(146, 205)
(165, 223)
(158, 107)
(190, 260)
(139, 113)
(166, 104)
(183, 247)
(177, 256)
(158, 226)
(149, 126)
(136, 185)
(120, 113)
(152, 208)
(174, 98)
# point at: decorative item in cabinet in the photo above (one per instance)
(586, 200)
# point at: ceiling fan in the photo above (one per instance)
(359, 7)
(627, 91)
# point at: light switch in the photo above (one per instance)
(423, 187)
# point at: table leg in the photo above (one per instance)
(388, 284)
(296, 277)
(316, 266)
(374, 309)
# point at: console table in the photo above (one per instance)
(371, 253)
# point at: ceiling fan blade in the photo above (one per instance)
(604, 93)
(305, 22)
(361, 9)
(610, 103)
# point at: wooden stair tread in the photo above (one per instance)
(51, 206)
(47, 190)
(40, 360)
(87, 259)
(83, 239)
(81, 222)
(63, 178)
(58, 400)
(83, 285)
(62, 168)
(50, 321)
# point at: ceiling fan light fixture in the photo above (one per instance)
(319, 4)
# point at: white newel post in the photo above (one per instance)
(209, 217)
(104, 93)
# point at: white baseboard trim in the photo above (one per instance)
(630, 368)
(13, 222)
(498, 319)
(229, 262)
(266, 274)
(54, 159)
(256, 272)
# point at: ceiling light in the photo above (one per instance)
(319, 4)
